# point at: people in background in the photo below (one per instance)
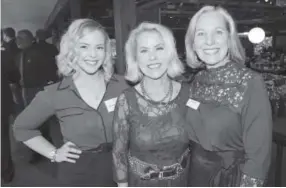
(84, 102)
(229, 113)
(9, 40)
(10, 46)
(29, 63)
(48, 52)
(9, 74)
(150, 142)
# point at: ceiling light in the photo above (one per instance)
(256, 35)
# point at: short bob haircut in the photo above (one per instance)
(236, 51)
(133, 72)
(77, 29)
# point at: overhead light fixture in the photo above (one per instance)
(256, 35)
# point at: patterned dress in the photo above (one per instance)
(231, 129)
(152, 133)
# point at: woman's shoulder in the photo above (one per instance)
(59, 89)
(56, 86)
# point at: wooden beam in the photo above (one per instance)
(99, 3)
(141, 2)
(124, 22)
(261, 20)
(179, 12)
(151, 15)
(56, 10)
(151, 4)
(225, 2)
(75, 9)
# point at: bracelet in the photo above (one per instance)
(53, 155)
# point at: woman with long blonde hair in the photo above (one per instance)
(229, 114)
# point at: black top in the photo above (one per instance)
(48, 53)
(37, 66)
(9, 74)
(11, 47)
(234, 113)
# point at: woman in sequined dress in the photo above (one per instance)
(150, 141)
(229, 113)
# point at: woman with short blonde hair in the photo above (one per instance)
(133, 73)
(150, 145)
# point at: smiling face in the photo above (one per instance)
(91, 52)
(151, 54)
(211, 39)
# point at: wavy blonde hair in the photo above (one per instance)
(236, 51)
(133, 72)
(77, 29)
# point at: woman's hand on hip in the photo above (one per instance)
(68, 152)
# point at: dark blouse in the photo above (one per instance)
(234, 114)
(152, 132)
(80, 123)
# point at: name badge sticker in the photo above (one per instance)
(193, 104)
(110, 104)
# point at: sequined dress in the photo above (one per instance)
(231, 129)
(151, 132)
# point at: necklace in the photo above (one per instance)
(168, 94)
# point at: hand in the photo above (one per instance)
(67, 153)
(122, 184)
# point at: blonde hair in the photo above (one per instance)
(133, 72)
(236, 51)
(77, 29)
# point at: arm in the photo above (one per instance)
(257, 133)
(120, 142)
(27, 123)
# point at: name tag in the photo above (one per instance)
(110, 104)
(193, 104)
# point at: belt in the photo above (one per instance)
(151, 171)
(104, 147)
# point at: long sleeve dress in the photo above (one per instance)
(153, 134)
(231, 127)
